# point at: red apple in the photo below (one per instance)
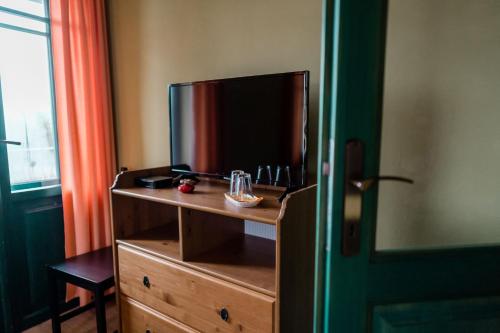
(186, 188)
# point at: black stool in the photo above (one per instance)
(92, 271)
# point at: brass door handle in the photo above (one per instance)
(354, 187)
(9, 142)
(364, 184)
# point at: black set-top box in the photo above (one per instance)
(154, 181)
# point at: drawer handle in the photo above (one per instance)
(148, 331)
(145, 282)
(224, 314)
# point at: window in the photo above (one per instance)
(27, 93)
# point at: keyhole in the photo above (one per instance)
(145, 282)
(352, 230)
(224, 314)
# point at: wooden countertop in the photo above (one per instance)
(209, 197)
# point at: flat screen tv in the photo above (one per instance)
(240, 124)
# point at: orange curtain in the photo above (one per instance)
(84, 124)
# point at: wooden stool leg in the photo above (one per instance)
(100, 310)
(53, 301)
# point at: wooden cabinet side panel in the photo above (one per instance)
(115, 260)
(295, 262)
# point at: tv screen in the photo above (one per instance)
(240, 124)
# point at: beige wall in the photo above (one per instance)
(441, 124)
(158, 42)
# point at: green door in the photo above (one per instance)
(410, 88)
(31, 219)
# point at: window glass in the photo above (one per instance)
(440, 126)
(25, 78)
(34, 7)
(22, 22)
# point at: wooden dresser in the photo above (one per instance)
(183, 262)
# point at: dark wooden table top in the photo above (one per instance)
(95, 267)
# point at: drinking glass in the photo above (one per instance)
(244, 187)
(234, 180)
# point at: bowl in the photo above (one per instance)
(249, 201)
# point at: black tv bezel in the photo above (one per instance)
(305, 121)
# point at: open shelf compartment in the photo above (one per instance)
(162, 241)
(249, 261)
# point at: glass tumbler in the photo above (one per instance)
(234, 180)
(244, 187)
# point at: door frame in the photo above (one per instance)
(5, 317)
(347, 288)
(352, 61)
(5, 313)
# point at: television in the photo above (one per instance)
(241, 123)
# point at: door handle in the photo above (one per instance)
(364, 184)
(354, 187)
(9, 142)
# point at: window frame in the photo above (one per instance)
(38, 188)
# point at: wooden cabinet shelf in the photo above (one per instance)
(175, 247)
(210, 198)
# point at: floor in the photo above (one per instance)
(83, 323)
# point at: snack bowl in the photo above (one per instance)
(249, 200)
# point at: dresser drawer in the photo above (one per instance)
(195, 299)
(137, 318)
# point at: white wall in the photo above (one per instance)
(441, 124)
(158, 42)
